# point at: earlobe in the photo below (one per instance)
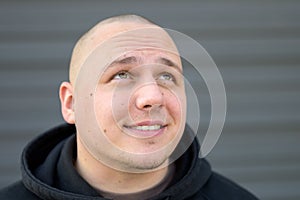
(66, 101)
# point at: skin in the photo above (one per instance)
(139, 87)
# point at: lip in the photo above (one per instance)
(145, 129)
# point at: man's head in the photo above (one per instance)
(126, 94)
(99, 33)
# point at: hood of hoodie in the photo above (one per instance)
(36, 165)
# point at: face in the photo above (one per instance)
(139, 104)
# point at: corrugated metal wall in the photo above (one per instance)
(255, 44)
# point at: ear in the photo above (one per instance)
(66, 101)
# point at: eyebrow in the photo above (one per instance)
(127, 60)
(168, 62)
(134, 59)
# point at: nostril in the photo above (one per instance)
(147, 106)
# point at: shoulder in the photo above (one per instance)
(16, 191)
(219, 187)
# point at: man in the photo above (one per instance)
(126, 97)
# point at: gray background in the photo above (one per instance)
(255, 44)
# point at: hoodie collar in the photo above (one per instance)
(47, 168)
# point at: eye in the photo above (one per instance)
(167, 77)
(121, 75)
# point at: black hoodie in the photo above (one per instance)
(48, 173)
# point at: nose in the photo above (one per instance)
(149, 96)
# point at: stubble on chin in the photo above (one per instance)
(143, 162)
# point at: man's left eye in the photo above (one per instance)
(167, 77)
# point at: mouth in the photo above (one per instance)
(145, 130)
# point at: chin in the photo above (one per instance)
(148, 166)
(144, 163)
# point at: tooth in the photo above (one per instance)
(148, 128)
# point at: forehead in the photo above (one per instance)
(148, 56)
(107, 42)
(118, 38)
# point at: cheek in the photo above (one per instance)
(107, 119)
(176, 104)
(102, 107)
(110, 107)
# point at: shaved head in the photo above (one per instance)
(100, 32)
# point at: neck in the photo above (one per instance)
(107, 179)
